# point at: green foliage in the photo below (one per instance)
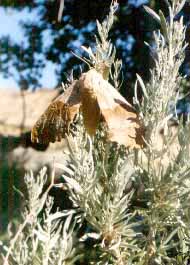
(135, 202)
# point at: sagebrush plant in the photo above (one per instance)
(135, 202)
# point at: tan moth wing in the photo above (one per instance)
(89, 105)
(55, 121)
(123, 124)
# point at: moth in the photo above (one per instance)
(99, 102)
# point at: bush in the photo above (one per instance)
(134, 200)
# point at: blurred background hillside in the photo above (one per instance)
(35, 55)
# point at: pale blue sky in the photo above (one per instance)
(9, 25)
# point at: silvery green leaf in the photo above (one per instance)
(100, 31)
(142, 85)
(58, 215)
(73, 183)
(181, 6)
(163, 23)
(135, 94)
(64, 168)
(91, 235)
(42, 236)
(68, 223)
(171, 15)
(89, 51)
(113, 54)
(152, 13)
(61, 7)
(171, 235)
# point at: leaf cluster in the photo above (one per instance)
(135, 202)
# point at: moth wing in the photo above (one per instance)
(55, 121)
(123, 124)
(95, 99)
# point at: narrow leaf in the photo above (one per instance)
(152, 13)
(181, 6)
(170, 236)
(142, 85)
(163, 25)
(89, 51)
(73, 183)
(64, 168)
(61, 7)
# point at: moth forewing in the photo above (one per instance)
(122, 122)
(55, 121)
